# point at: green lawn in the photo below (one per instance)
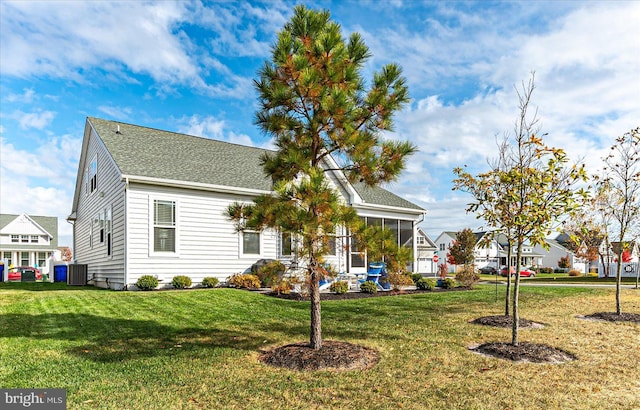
(199, 348)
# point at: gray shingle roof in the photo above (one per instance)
(48, 223)
(147, 152)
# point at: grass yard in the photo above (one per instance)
(199, 349)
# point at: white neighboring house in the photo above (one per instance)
(152, 202)
(426, 249)
(27, 240)
(630, 268)
(495, 254)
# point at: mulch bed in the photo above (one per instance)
(524, 352)
(333, 355)
(613, 317)
(361, 295)
(505, 321)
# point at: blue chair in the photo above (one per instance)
(375, 272)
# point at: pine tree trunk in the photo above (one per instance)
(315, 340)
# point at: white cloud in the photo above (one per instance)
(120, 113)
(26, 97)
(37, 120)
(143, 37)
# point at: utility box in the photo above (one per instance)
(77, 275)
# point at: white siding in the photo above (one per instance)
(105, 270)
(207, 243)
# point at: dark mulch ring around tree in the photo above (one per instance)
(361, 295)
(505, 321)
(524, 352)
(613, 317)
(333, 355)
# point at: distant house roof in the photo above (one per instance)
(48, 223)
(147, 152)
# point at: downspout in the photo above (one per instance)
(125, 253)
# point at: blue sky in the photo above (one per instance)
(188, 67)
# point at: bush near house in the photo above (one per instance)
(426, 284)
(282, 287)
(416, 277)
(270, 273)
(246, 281)
(398, 280)
(467, 276)
(147, 282)
(448, 283)
(210, 282)
(575, 272)
(369, 287)
(339, 287)
(545, 270)
(181, 282)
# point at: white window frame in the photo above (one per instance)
(15, 238)
(241, 244)
(93, 173)
(108, 229)
(176, 226)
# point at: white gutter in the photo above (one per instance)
(389, 208)
(194, 185)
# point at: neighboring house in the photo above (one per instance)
(426, 249)
(630, 267)
(495, 253)
(152, 202)
(27, 240)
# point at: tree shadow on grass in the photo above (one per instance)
(106, 340)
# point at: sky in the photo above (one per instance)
(189, 66)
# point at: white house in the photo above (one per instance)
(27, 240)
(495, 253)
(426, 250)
(152, 202)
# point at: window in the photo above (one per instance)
(7, 256)
(442, 248)
(420, 240)
(164, 226)
(331, 242)
(250, 243)
(42, 259)
(108, 226)
(34, 238)
(406, 234)
(93, 174)
(24, 238)
(24, 258)
(286, 244)
(101, 226)
(15, 238)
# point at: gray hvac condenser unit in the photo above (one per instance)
(77, 275)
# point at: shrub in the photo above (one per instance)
(210, 282)
(467, 276)
(448, 283)
(416, 277)
(283, 287)
(592, 274)
(181, 282)
(426, 284)
(247, 281)
(575, 272)
(545, 270)
(443, 269)
(270, 273)
(564, 262)
(397, 280)
(369, 287)
(339, 287)
(147, 282)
